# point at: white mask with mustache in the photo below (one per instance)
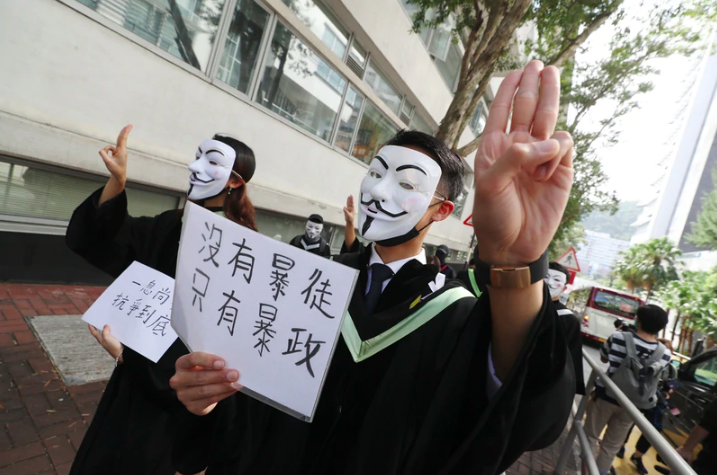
(396, 193)
(556, 281)
(211, 170)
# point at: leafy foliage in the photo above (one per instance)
(649, 266)
(704, 230)
(694, 296)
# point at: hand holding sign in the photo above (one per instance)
(264, 308)
(111, 344)
(201, 381)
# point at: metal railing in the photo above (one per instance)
(672, 459)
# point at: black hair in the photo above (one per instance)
(316, 218)
(451, 164)
(237, 205)
(560, 268)
(245, 162)
(651, 318)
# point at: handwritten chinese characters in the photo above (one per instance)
(273, 312)
(138, 308)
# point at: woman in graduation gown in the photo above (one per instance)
(133, 427)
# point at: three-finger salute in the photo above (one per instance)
(201, 381)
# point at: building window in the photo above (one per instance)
(242, 45)
(348, 120)
(406, 112)
(374, 131)
(29, 191)
(383, 88)
(357, 59)
(450, 68)
(319, 19)
(184, 28)
(295, 87)
(478, 120)
(417, 123)
(460, 203)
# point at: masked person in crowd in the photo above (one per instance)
(311, 240)
(442, 253)
(132, 430)
(434, 381)
(557, 281)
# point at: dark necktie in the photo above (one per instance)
(379, 274)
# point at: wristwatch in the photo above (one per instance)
(512, 277)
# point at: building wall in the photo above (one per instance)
(597, 256)
(670, 214)
(77, 78)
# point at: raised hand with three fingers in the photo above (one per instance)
(523, 175)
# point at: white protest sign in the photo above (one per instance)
(272, 311)
(138, 309)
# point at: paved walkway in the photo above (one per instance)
(42, 422)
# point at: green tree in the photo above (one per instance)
(694, 297)
(704, 230)
(617, 225)
(649, 266)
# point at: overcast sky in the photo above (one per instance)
(651, 132)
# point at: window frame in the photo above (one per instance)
(48, 226)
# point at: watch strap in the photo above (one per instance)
(512, 277)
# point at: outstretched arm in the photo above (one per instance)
(523, 179)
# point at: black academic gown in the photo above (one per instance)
(571, 328)
(322, 247)
(417, 407)
(132, 430)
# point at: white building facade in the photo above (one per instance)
(688, 179)
(599, 253)
(313, 87)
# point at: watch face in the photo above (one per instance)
(510, 277)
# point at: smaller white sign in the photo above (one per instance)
(138, 309)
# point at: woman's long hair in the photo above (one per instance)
(237, 205)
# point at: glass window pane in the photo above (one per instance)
(450, 67)
(477, 122)
(300, 86)
(319, 19)
(184, 28)
(40, 193)
(441, 39)
(242, 45)
(349, 117)
(357, 53)
(417, 123)
(374, 131)
(383, 88)
(460, 203)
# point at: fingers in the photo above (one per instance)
(526, 99)
(546, 114)
(205, 395)
(518, 157)
(123, 135)
(350, 202)
(104, 153)
(106, 333)
(199, 359)
(502, 103)
(564, 157)
(188, 378)
(205, 406)
(95, 334)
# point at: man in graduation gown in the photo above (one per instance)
(425, 379)
(311, 240)
(557, 281)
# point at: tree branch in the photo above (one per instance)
(572, 46)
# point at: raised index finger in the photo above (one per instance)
(123, 135)
(500, 109)
(200, 359)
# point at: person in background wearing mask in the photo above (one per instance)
(442, 253)
(311, 240)
(557, 281)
